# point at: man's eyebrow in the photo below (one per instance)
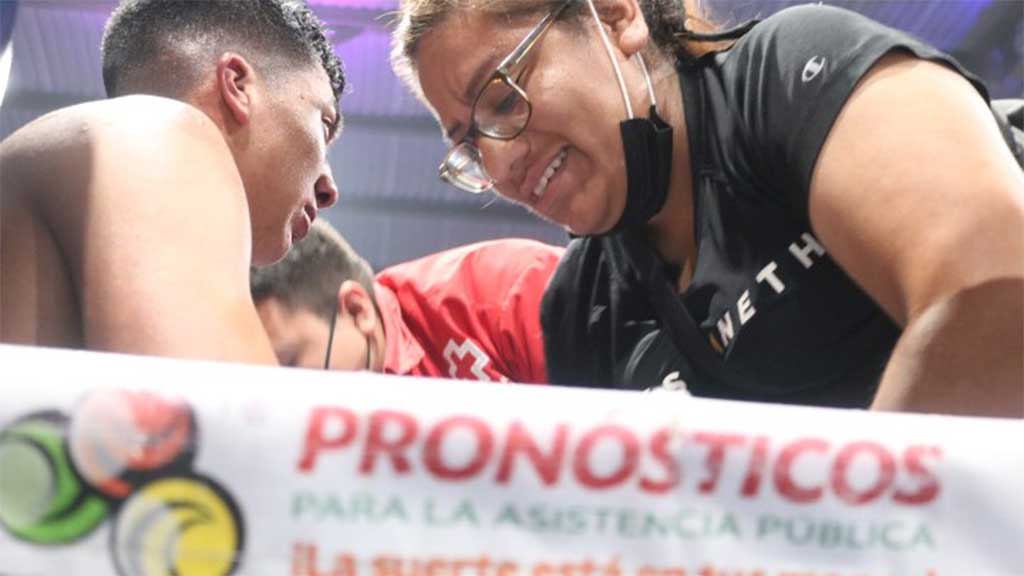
(487, 67)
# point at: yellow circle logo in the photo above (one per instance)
(174, 526)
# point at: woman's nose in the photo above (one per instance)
(506, 162)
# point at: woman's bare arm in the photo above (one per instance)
(917, 197)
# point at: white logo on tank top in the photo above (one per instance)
(454, 354)
(813, 67)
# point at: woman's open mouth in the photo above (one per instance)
(549, 173)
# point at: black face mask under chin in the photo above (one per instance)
(647, 143)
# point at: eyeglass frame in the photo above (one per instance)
(502, 72)
(330, 335)
(330, 341)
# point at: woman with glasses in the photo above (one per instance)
(811, 209)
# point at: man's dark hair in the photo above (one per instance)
(156, 46)
(310, 275)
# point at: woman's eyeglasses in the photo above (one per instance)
(501, 111)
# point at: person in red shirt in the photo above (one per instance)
(469, 313)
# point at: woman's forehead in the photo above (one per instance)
(473, 27)
(454, 51)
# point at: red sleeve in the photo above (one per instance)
(488, 293)
(522, 338)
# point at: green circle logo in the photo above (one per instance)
(42, 499)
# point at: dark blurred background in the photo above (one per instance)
(392, 206)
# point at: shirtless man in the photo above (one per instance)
(129, 224)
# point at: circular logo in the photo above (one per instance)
(177, 525)
(120, 439)
(42, 500)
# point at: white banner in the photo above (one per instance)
(138, 466)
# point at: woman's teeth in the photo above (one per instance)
(542, 184)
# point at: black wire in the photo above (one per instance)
(330, 337)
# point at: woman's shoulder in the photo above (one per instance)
(797, 23)
(826, 31)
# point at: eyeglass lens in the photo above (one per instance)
(502, 110)
(464, 168)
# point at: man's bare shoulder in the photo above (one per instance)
(137, 207)
(99, 150)
(115, 122)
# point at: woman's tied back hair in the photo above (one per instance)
(155, 46)
(669, 23)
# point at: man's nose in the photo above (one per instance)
(325, 189)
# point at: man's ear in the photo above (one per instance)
(236, 80)
(356, 302)
(624, 21)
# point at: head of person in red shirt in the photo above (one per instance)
(471, 312)
(318, 306)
